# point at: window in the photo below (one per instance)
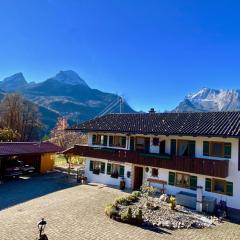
(115, 170)
(99, 139)
(155, 141)
(97, 167)
(132, 143)
(173, 146)
(140, 144)
(217, 149)
(154, 172)
(117, 141)
(219, 186)
(171, 178)
(186, 148)
(182, 180)
(110, 141)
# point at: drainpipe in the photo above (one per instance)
(199, 198)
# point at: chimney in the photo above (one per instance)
(152, 110)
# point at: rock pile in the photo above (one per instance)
(158, 214)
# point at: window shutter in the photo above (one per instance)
(208, 184)
(102, 167)
(171, 178)
(192, 148)
(121, 171)
(105, 138)
(229, 188)
(132, 143)
(110, 140)
(227, 150)
(173, 146)
(206, 148)
(124, 141)
(91, 166)
(94, 138)
(193, 182)
(109, 169)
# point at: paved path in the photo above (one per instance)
(77, 212)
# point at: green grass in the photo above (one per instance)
(61, 160)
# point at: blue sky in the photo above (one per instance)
(151, 52)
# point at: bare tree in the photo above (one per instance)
(20, 115)
(65, 138)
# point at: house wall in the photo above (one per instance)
(232, 201)
(107, 179)
(47, 162)
(234, 174)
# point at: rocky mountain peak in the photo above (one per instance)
(13, 83)
(69, 77)
(207, 99)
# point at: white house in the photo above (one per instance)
(173, 151)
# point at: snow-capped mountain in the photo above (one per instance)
(210, 100)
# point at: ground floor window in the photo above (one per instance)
(97, 167)
(115, 170)
(182, 180)
(219, 186)
(154, 172)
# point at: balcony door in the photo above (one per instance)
(142, 144)
(186, 148)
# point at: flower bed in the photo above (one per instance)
(140, 208)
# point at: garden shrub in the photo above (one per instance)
(126, 215)
(132, 198)
(136, 194)
(122, 201)
(139, 216)
(172, 202)
(111, 210)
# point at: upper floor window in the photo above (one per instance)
(183, 147)
(117, 141)
(217, 149)
(99, 139)
(155, 142)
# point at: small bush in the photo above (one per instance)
(148, 191)
(139, 216)
(172, 201)
(111, 210)
(132, 198)
(122, 201)
(126, 216)
(137, 194)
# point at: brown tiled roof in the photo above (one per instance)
(193, 124)
(18, 148)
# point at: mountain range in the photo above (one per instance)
(65, 94)
(208, 99)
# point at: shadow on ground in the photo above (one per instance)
(16, 191)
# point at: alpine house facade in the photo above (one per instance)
(172, 151)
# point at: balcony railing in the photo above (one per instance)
(209, 167)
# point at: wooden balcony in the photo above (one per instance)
(209, 167)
